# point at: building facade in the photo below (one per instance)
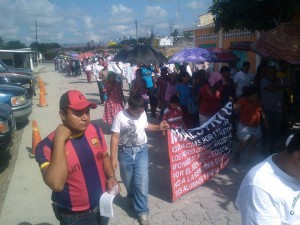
(238, 41)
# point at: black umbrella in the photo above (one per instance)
(140, 54)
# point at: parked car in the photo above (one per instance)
(7, 69)
(20, 80)
(7, 127)
(20, 103)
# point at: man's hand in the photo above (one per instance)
(62, 133)
(112, 182)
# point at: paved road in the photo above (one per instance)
(28, 198)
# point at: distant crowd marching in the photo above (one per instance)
(187, 96)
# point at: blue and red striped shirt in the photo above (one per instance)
(86, 180)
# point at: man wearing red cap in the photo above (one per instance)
(74, 163)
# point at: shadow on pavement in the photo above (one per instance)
(95, 101)
(225, 185)
(77, 82)
(122, 202)
(20, 126)
(92, 94)
(104, 126)
(159, 166)
(5, 157)
(26, 223)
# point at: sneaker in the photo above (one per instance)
(143, 219)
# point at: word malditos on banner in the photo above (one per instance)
(196, 155)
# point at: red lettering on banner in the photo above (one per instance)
(198, 154)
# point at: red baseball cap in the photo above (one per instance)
(75, 100)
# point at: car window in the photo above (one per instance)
(2, 69)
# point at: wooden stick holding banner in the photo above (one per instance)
(198, 154)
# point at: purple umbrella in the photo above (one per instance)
(194, 55)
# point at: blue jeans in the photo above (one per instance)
(103, 96)
(133, 163)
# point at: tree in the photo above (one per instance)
(175, 34)
(44, 47)
(252, 14)
(187, 34)
(35, 46)
(14, 45)
(1, 43)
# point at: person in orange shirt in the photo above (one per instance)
(249, 130)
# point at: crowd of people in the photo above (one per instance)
(179, 97)
(259, 99)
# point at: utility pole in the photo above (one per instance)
(179, 16)
(136, 32)
(36, 31)
(171, 27)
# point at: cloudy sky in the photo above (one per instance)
(80, 21)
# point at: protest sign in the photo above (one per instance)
(196, 155)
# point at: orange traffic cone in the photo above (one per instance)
(43, 88)
(42, 102)
(36, 138)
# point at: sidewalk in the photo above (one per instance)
(28, 198)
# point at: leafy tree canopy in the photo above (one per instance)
(252, 14)
(43, 47)
(1, 43)
(13, 45)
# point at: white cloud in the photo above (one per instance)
(120, 15)
(155, 12)
(120, 9)
(88, 22)
(68, 22)
(196, 4)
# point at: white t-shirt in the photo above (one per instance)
(131, 129)
(96, 69)
(128, 72)
(88, 67)
(243, 80)
(269, 196)
(112, 66)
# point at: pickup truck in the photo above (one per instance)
(24, 81)
(7, 127)
(16, 97)
(23, 71)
